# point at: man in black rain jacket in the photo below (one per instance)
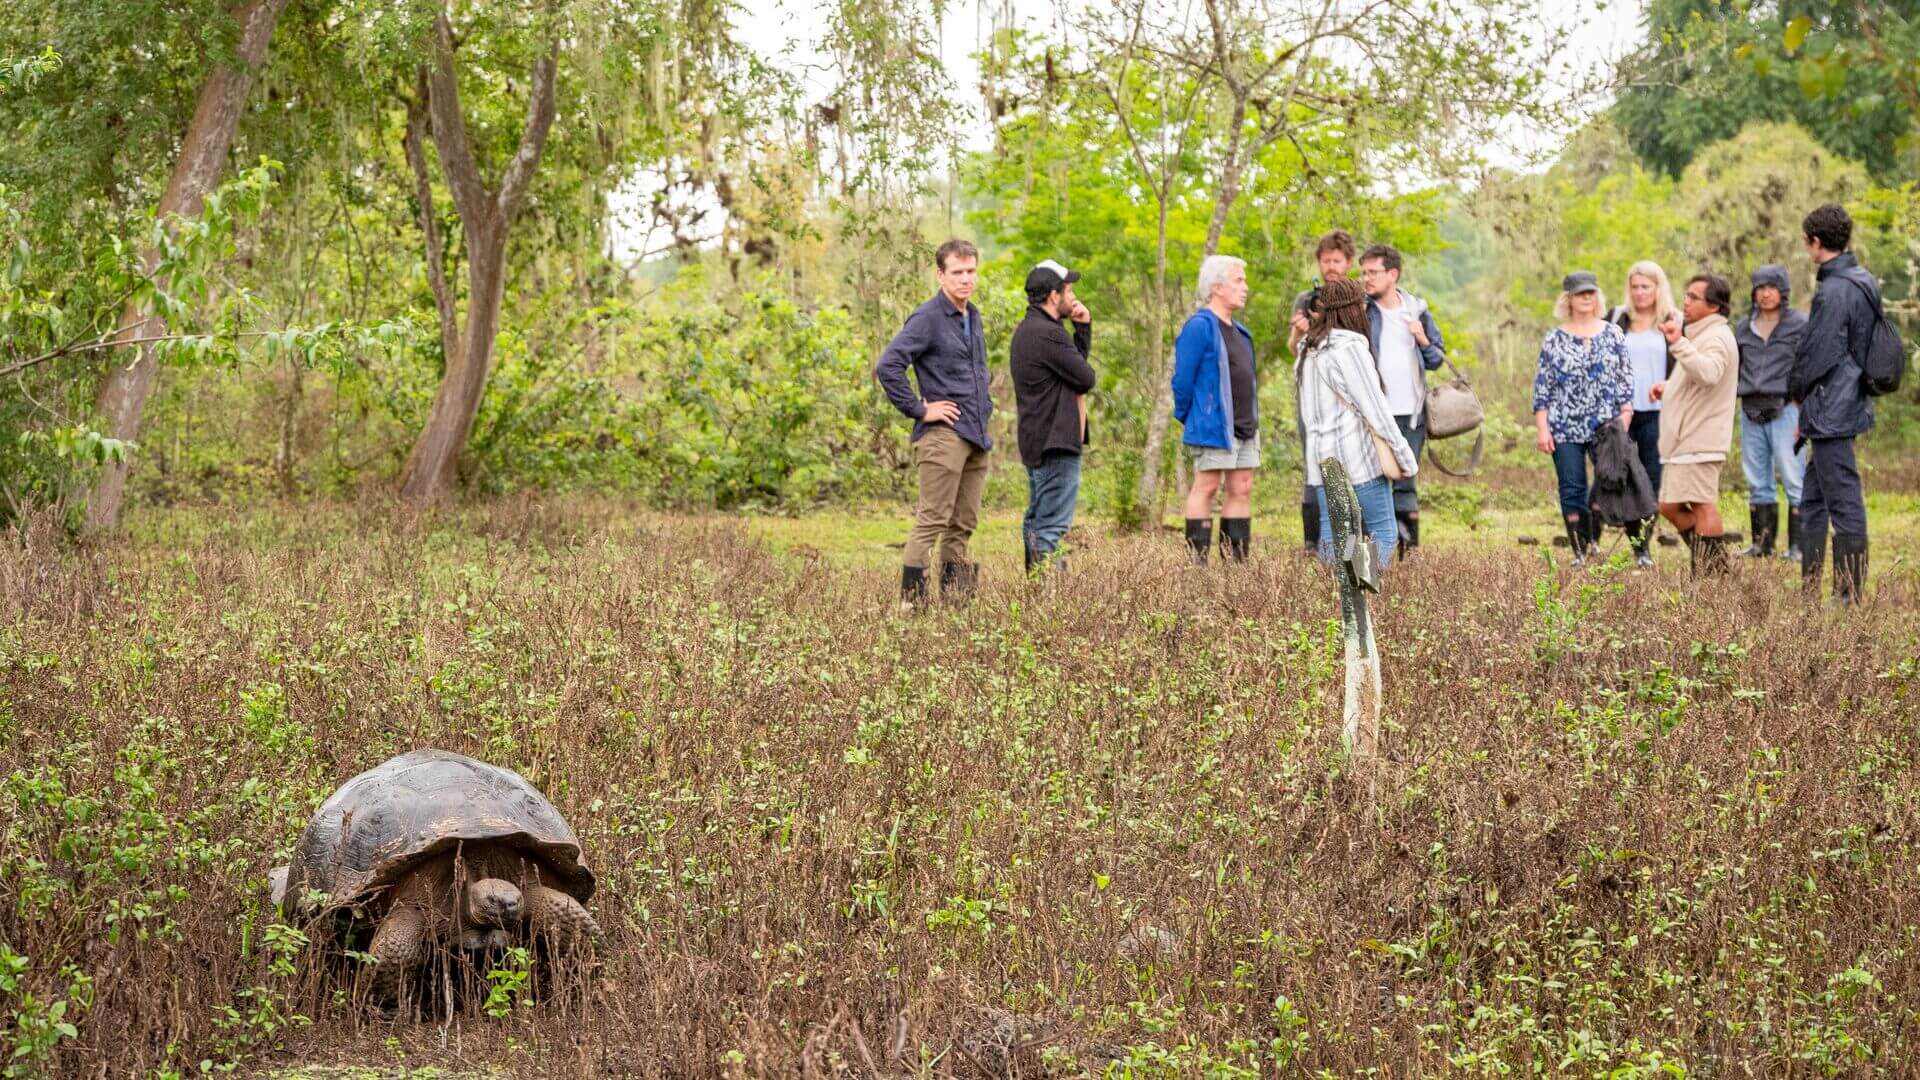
(1834, 406)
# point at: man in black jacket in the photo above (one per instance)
(1834, 406)
(1768, 338)
(1051, 378)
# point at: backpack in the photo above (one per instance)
(1886, 359)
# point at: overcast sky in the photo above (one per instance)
(1587, 39)
(1591, 36)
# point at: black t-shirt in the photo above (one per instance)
(1240, 371)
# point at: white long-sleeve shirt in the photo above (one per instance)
(1341, 404)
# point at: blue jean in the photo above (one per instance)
(1570, 469)
(1766, 451)
(1376, 515)
(1053, 487)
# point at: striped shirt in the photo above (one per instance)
(1342, 406)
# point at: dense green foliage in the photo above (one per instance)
(717, 244)
(1843, 71)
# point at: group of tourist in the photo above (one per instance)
(1671, 376)
(1644, 393)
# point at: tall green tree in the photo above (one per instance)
(1841, 69)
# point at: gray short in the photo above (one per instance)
(1242, 455)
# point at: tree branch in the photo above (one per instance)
(429, 221)
(470, 194)
(533, 140)
(112, 341)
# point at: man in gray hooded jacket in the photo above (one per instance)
(1768, 338)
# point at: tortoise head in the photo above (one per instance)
(494, 902)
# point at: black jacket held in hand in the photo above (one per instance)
(1622, 493)
(1050, 371)
(1828, 365)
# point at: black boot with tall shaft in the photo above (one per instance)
(913, 586)
(1766, 527)
(1849, 568)
(1199, 539)
(1236, 537)
(1813, 556)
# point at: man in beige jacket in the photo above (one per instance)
(1696, 419)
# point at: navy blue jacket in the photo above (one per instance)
(947, 350)
(1202, 385)
(1828, 364)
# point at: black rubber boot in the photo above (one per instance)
(1236, 536)
(1849, 569)
(1693, 551)
(1029, 559)
(1199, 539)
(1712, 560)
(1310, 525)
(1766, 527)
(913, 586)
(958, 581)
(1577, 540)
(1793, 534)
(1813, 553)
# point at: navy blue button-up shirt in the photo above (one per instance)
(947, 349)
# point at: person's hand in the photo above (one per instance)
(1300, 321)
(1544, 440)
(1419, 332)
(1080, 314)
(1670, 328)
(941, 412)
(1657, 391)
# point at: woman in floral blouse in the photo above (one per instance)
(1584, 381)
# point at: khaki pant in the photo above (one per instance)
(953, 473)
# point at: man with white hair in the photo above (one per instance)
(1215, 400)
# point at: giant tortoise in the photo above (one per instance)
(439, 849)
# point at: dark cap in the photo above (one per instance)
(1048, 276)
(1580, 281)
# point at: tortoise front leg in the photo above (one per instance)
(396, 949)
(550, 911)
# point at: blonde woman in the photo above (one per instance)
(1649, 307)
(1583, 383)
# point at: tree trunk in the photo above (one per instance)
(486, 219)
(1147, 499)
(203, 157)
(430, 467)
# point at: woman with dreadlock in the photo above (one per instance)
(1343, 408)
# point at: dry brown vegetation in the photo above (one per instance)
(1628, 825)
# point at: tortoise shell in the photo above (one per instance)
(408, 809)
